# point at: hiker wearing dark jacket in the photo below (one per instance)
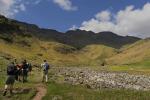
(11, 72)
(16, 68)
(24, 70)
(29, 68)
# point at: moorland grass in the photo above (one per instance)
(69, 92)
(18, 85)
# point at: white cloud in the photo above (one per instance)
(22, 7)
(65, 4)
(37, 2)
(74, 27)
(11, 7)
(130, 21)
(5, 6)
(103, 16)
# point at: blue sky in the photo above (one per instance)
(48, 15)
(64, 14)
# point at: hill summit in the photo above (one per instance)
(76, 38)
(73, 48)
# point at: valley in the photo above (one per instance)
(74, 54)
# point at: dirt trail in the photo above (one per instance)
(41, 92)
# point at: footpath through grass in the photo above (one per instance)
(69, 92)
(22, 91)
(63, 91)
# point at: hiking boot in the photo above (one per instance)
(11, 92)
(23, 81)
(5, 92)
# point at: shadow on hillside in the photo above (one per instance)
(76, 38)
(80, 39)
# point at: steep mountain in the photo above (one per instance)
(81, 38)
(74, 48)
(75, 38)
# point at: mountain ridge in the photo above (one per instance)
(76, 38)
(74, 47)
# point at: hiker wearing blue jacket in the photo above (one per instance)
(45, 67)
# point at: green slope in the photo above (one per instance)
(35, 50)
(136, 54)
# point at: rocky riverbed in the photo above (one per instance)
(100, 79)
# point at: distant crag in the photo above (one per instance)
(76, 38)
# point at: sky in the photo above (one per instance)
(123, 17)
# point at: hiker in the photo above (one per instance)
(16, 68)
(24, 71)
(29, 68)
(19, 72)
(11, 72)
(45, 68)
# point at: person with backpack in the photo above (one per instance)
(29, 68)
(11, 72)
(19, 69)
(16, 67)
(24, 71)
(45, 67)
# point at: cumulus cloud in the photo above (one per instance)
(22, 7)
(103, 16)
(65, 4)
(130, 21)
(74, 27)
(10, 7)
(5, 6)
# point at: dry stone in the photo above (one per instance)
(98, 80)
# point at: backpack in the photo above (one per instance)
(29, 67)
(10, 70)
(46, 66)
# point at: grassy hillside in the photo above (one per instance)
(137, 54)
(69, 92)
(76, 38)
(35, 50)
(96, 54)
(73, 48)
